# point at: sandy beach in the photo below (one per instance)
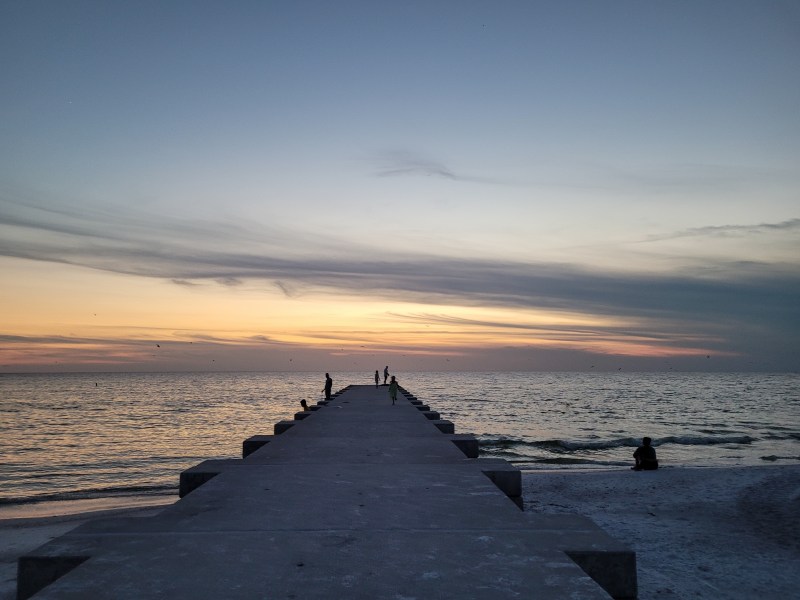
(716, 533)
(730, 533)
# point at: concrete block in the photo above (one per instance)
(504, 475)
(193, 478)
(614, 571)
(253, 443)
(422, 407)
(282, 426)
(34, 573)
(431, 414)
(304, 414)
(445, 426)
(467, 444)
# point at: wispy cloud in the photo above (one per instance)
(403, 163)
(732, 231)
(656, 335)
(184, 283)
(733, 295)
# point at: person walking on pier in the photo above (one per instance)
(385, 374)
(328, 386)
(393, 390)
(377, 378)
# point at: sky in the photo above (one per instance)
(337, 186)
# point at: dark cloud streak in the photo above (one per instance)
(399, 163)
(730, 296)
(791, 225)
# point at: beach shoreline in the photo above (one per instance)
(699, 532)
(71, 509)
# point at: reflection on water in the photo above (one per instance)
(80, 435)
(131, 432)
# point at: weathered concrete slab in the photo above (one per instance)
(283, 426)
(193, 478)
(364, 496)
(360, 499)
(328, 449)
(445, 426)
(325, 564)
(253, 443)
(466, 443)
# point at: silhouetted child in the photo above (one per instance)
(393, 390)
(645, 456)
(304, 404)
(377, 378)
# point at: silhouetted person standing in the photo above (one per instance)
(377, 378)
(328, 386)
(645, 456)
(393, 390)
(385, 374)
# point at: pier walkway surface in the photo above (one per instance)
(357, 498)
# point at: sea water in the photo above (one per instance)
(77, 436)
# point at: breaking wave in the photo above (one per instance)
(90, 494)
(517, 447)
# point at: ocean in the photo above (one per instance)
(83, 436)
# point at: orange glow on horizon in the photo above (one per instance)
(58, 314)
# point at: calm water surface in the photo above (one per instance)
(69, 436)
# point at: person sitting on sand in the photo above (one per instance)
(304, 404)
(393, 390)
(645, 456)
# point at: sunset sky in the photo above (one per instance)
(432, 185)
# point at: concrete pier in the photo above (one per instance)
(359, 499)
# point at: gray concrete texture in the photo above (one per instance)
(360, 499)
